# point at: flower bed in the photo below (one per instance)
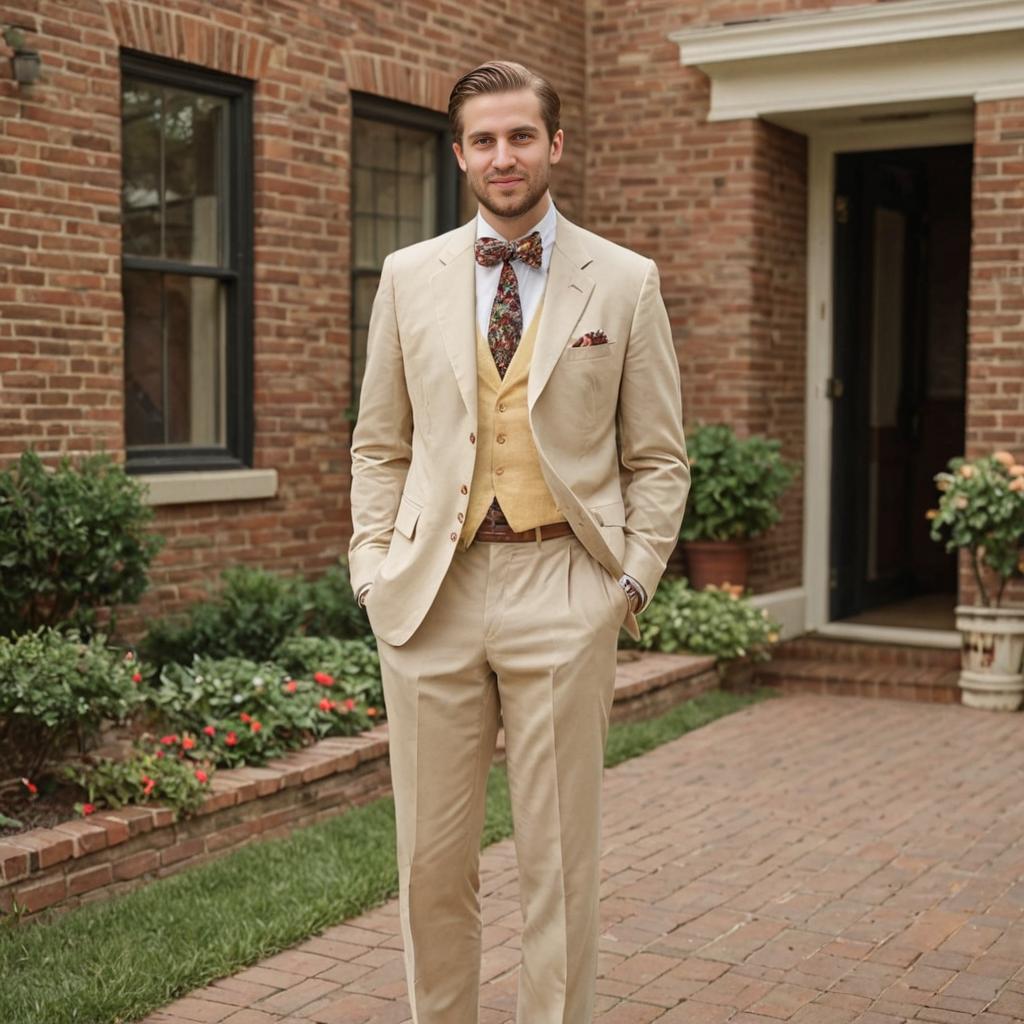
(111, 851)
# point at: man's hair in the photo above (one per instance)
(503, 76)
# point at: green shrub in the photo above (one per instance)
(153, 772)
(254, 611)
(334, 610)
(719, 622)
(71, 540)
(355, 664)
(55, 693)
(736, 484)
(241, 712)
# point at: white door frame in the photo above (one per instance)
(824, 143)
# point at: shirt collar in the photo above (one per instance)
(547, 227)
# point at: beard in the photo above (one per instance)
(511, 207)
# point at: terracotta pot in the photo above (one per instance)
(992, 657)
(716, 562)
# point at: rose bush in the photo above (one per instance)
(981, 511)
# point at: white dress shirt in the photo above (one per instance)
(531, 282)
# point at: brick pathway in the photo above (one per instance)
(820, 860)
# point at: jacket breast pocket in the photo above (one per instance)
(586, 353)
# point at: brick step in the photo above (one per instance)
(857, 679)
(825, 648)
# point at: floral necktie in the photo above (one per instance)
(505, 327)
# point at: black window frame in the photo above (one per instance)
(236, 274)
(405, 115)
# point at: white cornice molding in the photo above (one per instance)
(845, 27)
(848, 58)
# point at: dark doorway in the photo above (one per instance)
(902, 244)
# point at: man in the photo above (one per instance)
(518, 482)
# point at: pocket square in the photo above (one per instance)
(597, 337)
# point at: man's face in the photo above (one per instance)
(505, 151)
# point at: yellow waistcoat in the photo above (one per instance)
(507, 465)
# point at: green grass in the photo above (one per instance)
(116, 961)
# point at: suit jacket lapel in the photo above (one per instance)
(454, 289)
(568, 291)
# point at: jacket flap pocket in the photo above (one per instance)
(610, 515)
(408, 514)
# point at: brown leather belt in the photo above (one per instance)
(492, 531)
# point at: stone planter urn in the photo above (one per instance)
(992, 657)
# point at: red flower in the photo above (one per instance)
(201, 775)
(88, 808)
(160, 755)
(324, 679)
(247, 718)
(350, 704)
(231, 739)
(137, 678)
(149, 784)
(291, 686)
(372, 712)
(326, 705)
(209, 730)
(30, 786)
(168, 741)
(256, 726)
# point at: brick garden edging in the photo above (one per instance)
(114, 851)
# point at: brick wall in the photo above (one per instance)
(995, 353)
(721, 208)
(60, 289)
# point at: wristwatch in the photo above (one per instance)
(633, 592)
(361, 596)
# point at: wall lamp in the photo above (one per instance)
(25, 63)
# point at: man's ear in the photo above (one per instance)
(457, 150)
(556, 146)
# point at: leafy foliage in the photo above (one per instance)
(71, 540)
(355, 662)
(150, 773)
(56, 690)
(716, 621)
(242, 712)
(736, 484)
(334, 611)
(981, 510)
(254, 611)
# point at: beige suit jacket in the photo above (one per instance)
(606, 419)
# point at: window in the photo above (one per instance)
(405, 188)
(186, 266)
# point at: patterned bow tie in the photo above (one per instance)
(491, 251)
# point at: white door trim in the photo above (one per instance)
(822, 149)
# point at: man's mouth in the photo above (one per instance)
(505, 182)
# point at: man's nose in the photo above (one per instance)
(504, 156)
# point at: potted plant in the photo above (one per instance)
(981, 511)
(734, 496)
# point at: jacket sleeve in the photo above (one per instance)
(381, 441)
(653, 450)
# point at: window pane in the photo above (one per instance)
(174, 359)
(174, 146)
(141, 161)
(194, 142)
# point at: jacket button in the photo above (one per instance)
(464, 489)
(499, 471)
(472, 438)
(454, 536)
(461, 518)
(501, 407)
(500, 439)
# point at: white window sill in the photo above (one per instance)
(220, 485)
